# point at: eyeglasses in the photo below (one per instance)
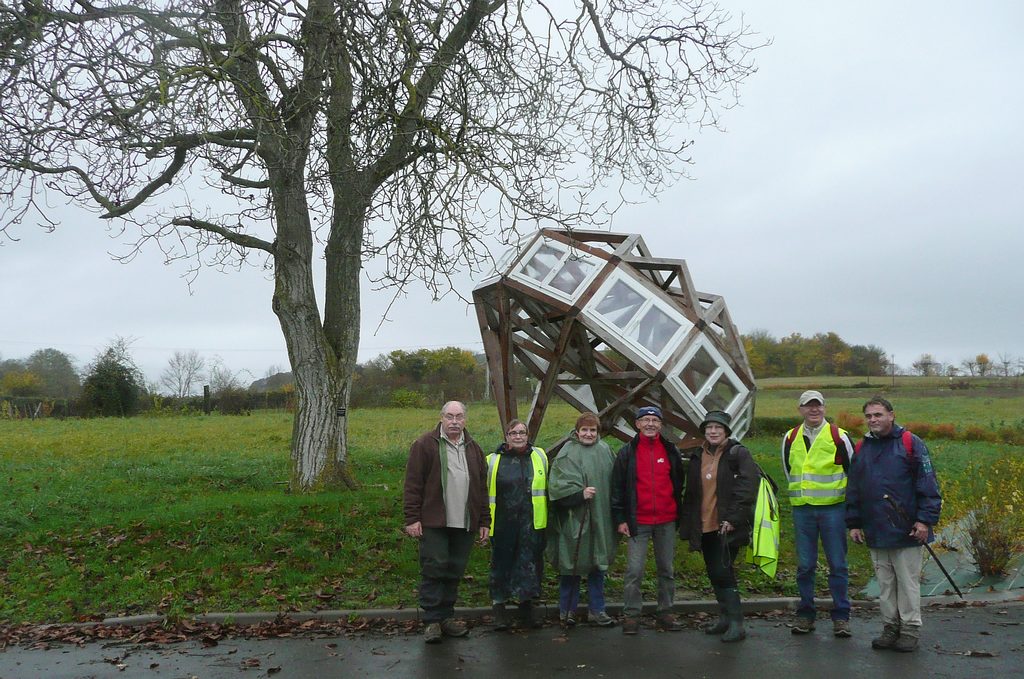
(518, 433)
(456, 417)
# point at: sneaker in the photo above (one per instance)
(601, 619)
(802, 625)
(841, 628)
(667, 622)
(432, 633)
(906, 643)
(887, 640)
(567, 619)
(630, 625)
(454, 628)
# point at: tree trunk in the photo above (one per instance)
(322, 382)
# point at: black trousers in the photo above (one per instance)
(443, 556)
(718, 558)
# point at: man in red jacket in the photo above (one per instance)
(445, 503)
(647, 488)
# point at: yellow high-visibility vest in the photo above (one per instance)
(538, 488)
(813, 475)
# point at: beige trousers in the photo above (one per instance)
(899, 579)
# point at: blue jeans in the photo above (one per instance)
(664, 537)
(811, 522)
(569, 592)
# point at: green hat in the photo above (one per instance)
(719, 416)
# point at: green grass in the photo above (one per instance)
(991, 408)
(190, 514)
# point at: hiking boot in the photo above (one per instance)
(887, 640)
(567, 620)
(667, 622)
(630, 625)
(528, 616)
(601, 619)
(454, 628)
(841, 629)
(500, 617)
(432, 633)
(802, 625)
(906, 642)
(734, 608)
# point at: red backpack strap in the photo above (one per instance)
(839, 443)
(857, 446)
(908, 442)
(790, 437)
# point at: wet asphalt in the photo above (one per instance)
(963, 642)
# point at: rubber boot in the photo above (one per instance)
(529, 616)
(734, 610)
(500, 617)
(723, 616)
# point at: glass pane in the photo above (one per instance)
(656, 329)
(620, 304)
(571, 275)
(699, 369)
(721, 395)
(543, 261)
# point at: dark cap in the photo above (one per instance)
(720, 417)
(648, 410)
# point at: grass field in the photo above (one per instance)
(190, 514)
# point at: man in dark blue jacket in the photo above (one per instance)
(893, 467)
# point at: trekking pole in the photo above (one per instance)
(903, 516)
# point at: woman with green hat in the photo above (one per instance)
(721, 488)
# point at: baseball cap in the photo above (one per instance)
(648, 410)
(811, 395)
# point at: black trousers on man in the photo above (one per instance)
(443, 556)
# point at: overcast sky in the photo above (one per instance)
(870, 183)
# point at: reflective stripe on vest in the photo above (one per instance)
(814, 477)
(538, 487)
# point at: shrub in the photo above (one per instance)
(407, 398)
(771, 426)
(987, 504)
(234, 401)
(851, 423)
(976, 433)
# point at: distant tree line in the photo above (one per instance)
(821, 354)
(49, 383)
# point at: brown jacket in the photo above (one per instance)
(423, 498)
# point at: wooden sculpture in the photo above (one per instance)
(605, 326)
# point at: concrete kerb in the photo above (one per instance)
(757, 605)
(468, 613)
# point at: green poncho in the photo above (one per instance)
(576, 467)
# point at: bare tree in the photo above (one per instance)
(416, 131)
(183, 373)
(1005, 364)
(926, 365)
(970, 365)
(223, 378)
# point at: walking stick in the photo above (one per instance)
(903, 515)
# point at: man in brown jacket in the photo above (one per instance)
(445, 503)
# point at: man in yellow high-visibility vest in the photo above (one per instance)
(816, 458)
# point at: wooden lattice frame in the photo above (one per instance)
(563, 339)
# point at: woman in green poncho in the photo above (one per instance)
(584, 539)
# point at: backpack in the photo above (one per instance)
(763, 550)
